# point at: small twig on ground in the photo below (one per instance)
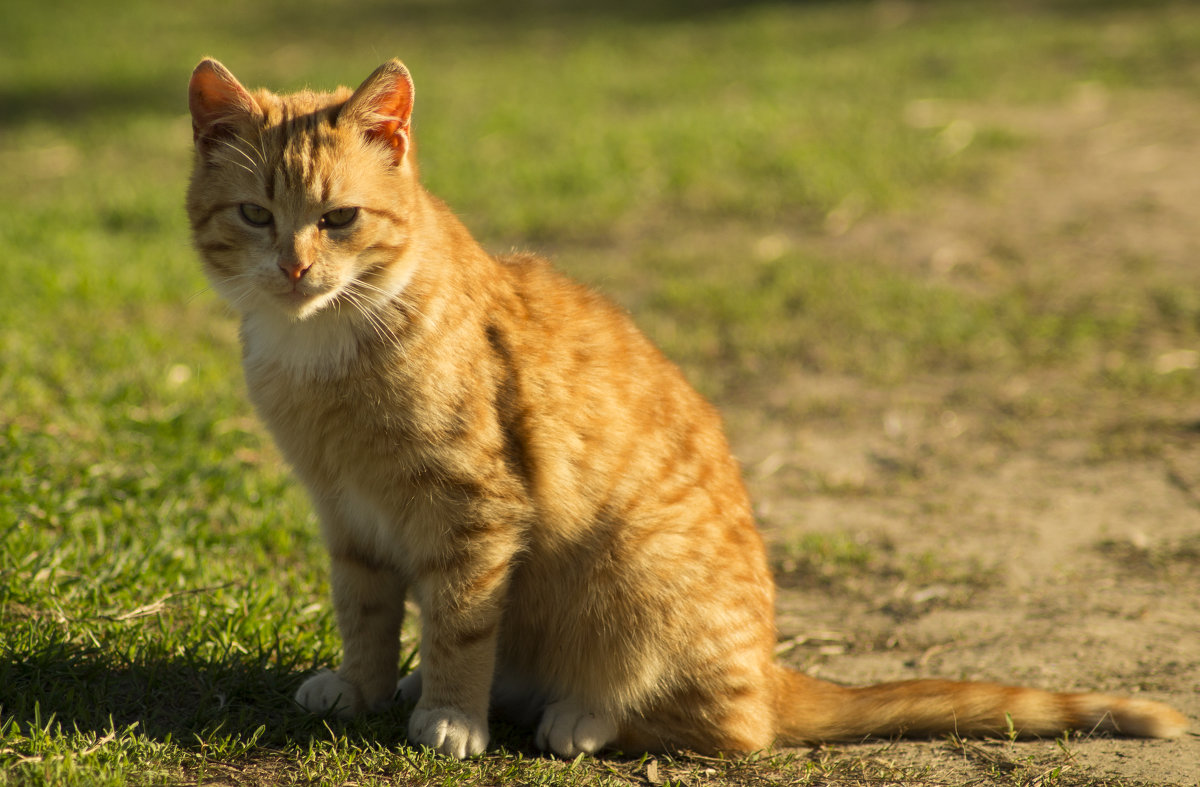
(160, 605)
(824, 638)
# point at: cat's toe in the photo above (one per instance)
(567, 729)
(328, 692)
(448, 731)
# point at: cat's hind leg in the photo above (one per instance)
(710, 724)
(568, 728)
(408, 688)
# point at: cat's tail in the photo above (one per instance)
(810, 710)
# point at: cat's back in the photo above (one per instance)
(612, 427)
(567, 333)
(577, 354)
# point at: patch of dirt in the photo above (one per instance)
(1106, 183)
(1079, 509)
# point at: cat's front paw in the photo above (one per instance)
(568, 729)
(328, 692)
(448, 731)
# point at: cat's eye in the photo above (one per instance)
(256, 215)
(341, 217)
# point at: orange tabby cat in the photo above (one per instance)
(506, 447)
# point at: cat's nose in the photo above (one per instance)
(294, 268)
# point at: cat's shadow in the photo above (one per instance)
(242, 700)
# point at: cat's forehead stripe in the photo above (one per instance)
(305, 142)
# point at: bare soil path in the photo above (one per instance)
(1032, 528)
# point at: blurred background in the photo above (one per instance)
(892, 239)
(656, 149)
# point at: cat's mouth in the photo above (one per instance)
(299, 301)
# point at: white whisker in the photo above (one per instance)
(240, 164)
(226, 281)
(242, 296)
(378, 324)
(253, 163)
(262, 159)
(406, 305)
(197, 294)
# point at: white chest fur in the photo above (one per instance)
(322, 346)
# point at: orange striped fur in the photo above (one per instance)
(503, 446)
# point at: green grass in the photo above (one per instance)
(162, 588)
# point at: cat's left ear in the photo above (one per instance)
(382, 106)
(217, 101)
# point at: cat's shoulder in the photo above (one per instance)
(538, 280)
(522, 264)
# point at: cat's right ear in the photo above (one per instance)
(382, 106)
(217, 101)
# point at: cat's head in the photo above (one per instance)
(299, 202)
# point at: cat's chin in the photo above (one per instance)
(298, 306)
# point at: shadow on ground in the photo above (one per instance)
(187, 700)
(181, 698)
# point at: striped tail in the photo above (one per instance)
(810, 710)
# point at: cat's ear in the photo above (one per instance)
(217, 101)
(382, 106)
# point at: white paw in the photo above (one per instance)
(448, 731)
(408, 688)
(567, 729)
(327, 691)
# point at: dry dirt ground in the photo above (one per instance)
(1031, 528)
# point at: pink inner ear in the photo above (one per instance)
(382, 105)
(215, 96)
(397, 102)
(392, 110)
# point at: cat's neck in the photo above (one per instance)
(321, 346)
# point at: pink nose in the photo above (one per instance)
(294, 269)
